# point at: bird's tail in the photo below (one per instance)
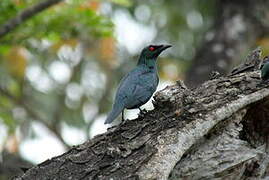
(116, 110)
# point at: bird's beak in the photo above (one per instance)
(161, 48)
(164, 47)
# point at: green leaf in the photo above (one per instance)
(8, 121)
(5, 102)
(4, 49)
(66, 20)
(126, 3)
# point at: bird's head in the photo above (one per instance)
(153, 51)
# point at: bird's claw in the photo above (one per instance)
(142, 112)
(123, 121)
(122, 118)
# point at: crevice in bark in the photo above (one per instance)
(255, 124)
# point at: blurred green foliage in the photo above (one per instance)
(30, 52)
(65, 20)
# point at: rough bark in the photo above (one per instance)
(237, 27)
(216, 131)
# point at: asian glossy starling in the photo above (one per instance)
(137, 87)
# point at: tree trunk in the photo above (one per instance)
(218, 130)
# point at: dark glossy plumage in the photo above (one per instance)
(265, 71)
(137, 87)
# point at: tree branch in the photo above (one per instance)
(25, 15)
(185, 124)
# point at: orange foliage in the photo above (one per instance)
(12, 144)
(18, 2)
(107, 50)
(70, 42)
(93, 5)
(16, 61)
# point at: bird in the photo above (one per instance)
(265, 69)
(137, 87)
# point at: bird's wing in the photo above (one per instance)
(128, 83)
(140, 96)
(121, 97)
(137, 88)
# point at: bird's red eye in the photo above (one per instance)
(151, 48)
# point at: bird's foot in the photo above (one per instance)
(142, 112)
(123, 121)
(122, 118)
